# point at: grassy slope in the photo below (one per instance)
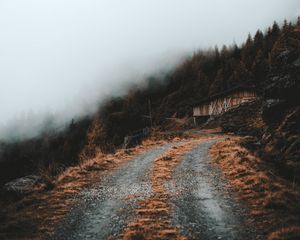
(274, 202)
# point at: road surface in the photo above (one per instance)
(202, 206)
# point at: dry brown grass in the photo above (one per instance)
(288, 233)
(36, 215)
(273, 201)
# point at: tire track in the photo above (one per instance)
(203, 205)
(102, 212)
(153, 214)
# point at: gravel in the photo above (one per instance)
(203, 206)
(104, 210)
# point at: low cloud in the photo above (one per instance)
(61, 58)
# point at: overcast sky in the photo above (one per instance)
(57, 52)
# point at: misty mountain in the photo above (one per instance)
(169, 95)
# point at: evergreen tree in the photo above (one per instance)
(236, 51)
(217, 85)
(260, 68)
(248, 52)
(258, 40)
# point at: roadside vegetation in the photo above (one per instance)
(274, 202)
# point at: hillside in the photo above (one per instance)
(256, 147)
(269, 61)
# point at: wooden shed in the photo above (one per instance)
(222, 102)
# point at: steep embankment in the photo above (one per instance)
(273, 122)
(264, 166)
(274, 202)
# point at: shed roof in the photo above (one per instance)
(225, 93)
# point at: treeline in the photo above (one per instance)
(48, 154)
(199, 76)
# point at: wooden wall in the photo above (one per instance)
(223, 104)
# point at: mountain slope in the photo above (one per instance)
(170, 95)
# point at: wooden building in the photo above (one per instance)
(222, 102)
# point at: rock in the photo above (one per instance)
(273, 110)
(22, 185)
(284, 86)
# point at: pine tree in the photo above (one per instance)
(249, 40)
(285, 26)
(260, 68)
(258, 40)
(224, 51)
(236, 51)
(271, 37)
(248, 52)
(217, 52)
(275, 29)
(217, 85)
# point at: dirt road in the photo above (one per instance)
(204, 208)
(201, 205)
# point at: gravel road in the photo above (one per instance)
(104, 210)
(203, 206)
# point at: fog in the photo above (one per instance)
(64, 57)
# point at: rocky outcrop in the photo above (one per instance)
(281, 107)
(282, 89)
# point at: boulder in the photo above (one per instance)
(21, 185)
